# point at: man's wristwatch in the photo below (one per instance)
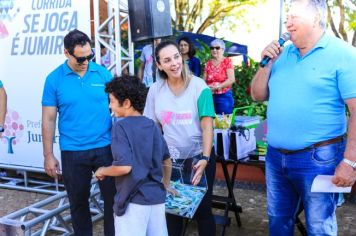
(2, 129)
(350, 163)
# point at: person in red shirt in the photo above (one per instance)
(219, 76)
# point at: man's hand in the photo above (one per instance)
(273, 50)
(51, 166)
(345, 175)
(99, 173)
(199, 170)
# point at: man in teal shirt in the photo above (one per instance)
(307, 85)
(75, 90)
(3, 105)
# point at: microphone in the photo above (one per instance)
(284, 38)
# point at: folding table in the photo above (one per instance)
(228, 203)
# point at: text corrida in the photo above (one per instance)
(37, 36)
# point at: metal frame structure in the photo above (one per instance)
(122, 56)
(49, 215)
(23, 182)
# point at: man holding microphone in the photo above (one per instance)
(307, 85)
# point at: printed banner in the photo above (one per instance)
(31, 46)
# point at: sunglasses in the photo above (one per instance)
(81, 60)
(216, 48)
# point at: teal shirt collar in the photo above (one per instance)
(322, 43)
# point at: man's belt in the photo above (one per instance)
(315, 145)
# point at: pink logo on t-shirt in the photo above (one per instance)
(166, 117)
(184, 116)
(171, 118)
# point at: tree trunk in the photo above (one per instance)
(193, 15)
(332, 24)
(342, 19)
(181, 7)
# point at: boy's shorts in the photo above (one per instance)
(142, 220)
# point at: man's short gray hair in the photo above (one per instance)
(320, 7)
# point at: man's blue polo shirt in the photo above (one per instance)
(83, 106)
(306, 103)
(1, 85)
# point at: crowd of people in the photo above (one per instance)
(307, 84)
(179, 105)
(219, 72)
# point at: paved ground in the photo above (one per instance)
(251, 197)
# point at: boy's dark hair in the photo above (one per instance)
(128, 87)
(75, 38)
(192, 50)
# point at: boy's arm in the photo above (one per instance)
(167, 171)
(112, 171)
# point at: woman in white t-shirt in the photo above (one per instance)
(182, 105)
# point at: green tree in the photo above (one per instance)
(241, 89)
(201, 14)
(345, 11)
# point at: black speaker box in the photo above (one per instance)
(149, 19)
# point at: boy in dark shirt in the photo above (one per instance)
(141, 166)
